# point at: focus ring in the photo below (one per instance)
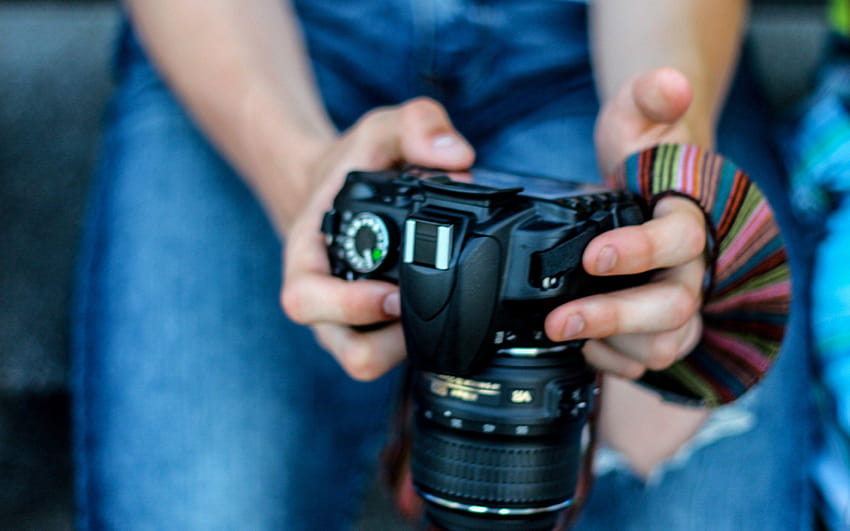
(506, 473)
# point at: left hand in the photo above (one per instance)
(654, 325)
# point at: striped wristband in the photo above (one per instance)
(748, 286)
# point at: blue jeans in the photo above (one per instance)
(198, 405)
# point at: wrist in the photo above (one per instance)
(288, 176)
(280, 149)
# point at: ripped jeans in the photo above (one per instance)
(198, 405)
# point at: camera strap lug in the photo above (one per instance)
(549, 266)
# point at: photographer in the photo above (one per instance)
(199, 405)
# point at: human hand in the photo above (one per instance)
(417, 132)
(654, 325)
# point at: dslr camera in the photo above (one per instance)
(499, 409)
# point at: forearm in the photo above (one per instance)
(240, 68)
(700, 38)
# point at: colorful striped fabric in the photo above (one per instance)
(748, 288)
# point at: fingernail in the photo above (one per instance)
(392, 305)
(451, 146)
(606, 259)
(573, 327)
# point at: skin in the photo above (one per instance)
(646, 102)
(241, 70)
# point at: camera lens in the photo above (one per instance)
(501, 450)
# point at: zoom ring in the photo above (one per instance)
(510, 473)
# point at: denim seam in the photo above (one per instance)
(91, 250)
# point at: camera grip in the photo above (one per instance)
(447, 315)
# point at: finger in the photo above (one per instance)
(310, 295)
(606, 359)
(659, 351)
(655, 307)
(363, 356)
(311, 298)
(661, 96)
(691, 275)
(430, 139)
(646, 110)
(676, 235)
(305, 250)
(418, 131)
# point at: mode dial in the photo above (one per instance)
(366, 242)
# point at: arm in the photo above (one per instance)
(646, 103)
(240, 68)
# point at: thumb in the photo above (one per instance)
(644, 112)
(428, 137)
(660, 96)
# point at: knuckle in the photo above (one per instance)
(647, 242)
(688, 222)
(421, 110)
(373, 118)
(643, 248)
(644, 241)
(695, 245)
(353, 307)
(693, 335)
(347, 311)
(292, 304)
(665, 352)
(359, 362)
(325, 339)
(633, 371)
(682, 305)
(608, 318)
(364, 144)
(418, 106)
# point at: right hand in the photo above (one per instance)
(417, 132)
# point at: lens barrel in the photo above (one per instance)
(501, 451)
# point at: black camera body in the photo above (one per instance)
(499, 407)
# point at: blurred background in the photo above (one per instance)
(54, 82)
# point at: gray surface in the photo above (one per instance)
(786, 44)
(35, 465)
(53, 82)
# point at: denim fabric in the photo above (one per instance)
(198, 405)
(194, 394)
